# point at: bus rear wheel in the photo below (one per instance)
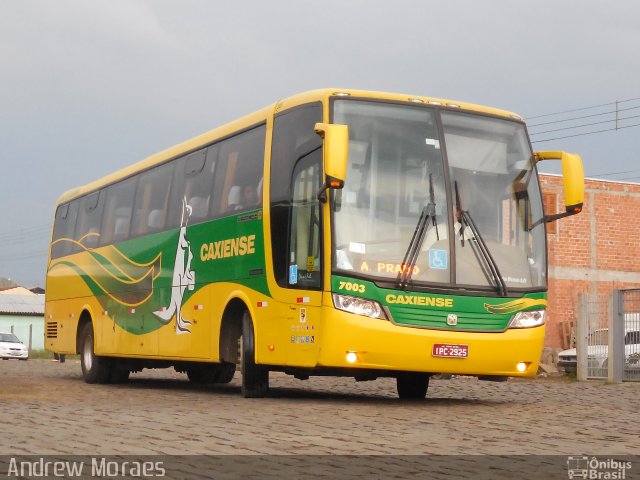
(211, 373)
(226, 372)
(255, 378)
(202, 374)
(412, 386)
(95, 369)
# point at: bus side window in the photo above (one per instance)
(116, 221)
(152, 197)
(304, 242)
(238, 183)
(193, 181)
(89, 220)
(63, 229)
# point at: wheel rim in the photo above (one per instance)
(87, 353)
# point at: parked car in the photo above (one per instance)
(598, 343)
(598, 351)
(12, 347)
(633, 362)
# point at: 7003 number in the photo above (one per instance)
(351, 287)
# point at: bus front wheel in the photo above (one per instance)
(412, 386)
(255, 378)
(95, 369)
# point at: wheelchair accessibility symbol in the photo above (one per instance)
(438, 259)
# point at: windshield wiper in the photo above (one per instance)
(465, 220)
(413, 250)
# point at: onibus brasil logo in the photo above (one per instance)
(595, 468)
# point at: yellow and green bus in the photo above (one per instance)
(336, 232)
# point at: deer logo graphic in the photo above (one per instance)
(183, 276)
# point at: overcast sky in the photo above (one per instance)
(90, 87)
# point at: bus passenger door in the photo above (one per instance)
(305, 272)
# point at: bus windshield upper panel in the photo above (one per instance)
(394, 213)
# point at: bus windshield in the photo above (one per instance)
(458, 188)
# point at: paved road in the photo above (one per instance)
(160, 412)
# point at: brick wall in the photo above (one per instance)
(593, 252)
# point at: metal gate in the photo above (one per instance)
(592, 337)
(608, 337)
(627, 335)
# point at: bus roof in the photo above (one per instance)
(259, 117)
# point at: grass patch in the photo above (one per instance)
(44, 354)
(40, 354)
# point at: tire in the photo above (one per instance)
(119, 375)
(201, 374)
(226, 372)
(255, 378)
(95, 369)
(412, 386)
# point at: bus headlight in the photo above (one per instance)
(359, 306)
(528, 319)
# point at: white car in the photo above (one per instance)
(12, 347)
(598, 351)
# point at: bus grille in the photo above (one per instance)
(420, 317)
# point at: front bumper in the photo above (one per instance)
(568, 365)
(21, 355)
(381, 345)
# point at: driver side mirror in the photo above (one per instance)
(573, 176)
(335, 155)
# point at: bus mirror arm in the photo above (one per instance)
(330, 183)
(335, 155)
(556, 216)
(573, 176)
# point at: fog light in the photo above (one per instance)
(351, 357)
(521, 367)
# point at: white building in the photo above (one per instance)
(22, 312)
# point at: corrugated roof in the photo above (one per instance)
(22, 304)
(16, 291)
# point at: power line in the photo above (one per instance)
(8, 242)
(626, 178)
(564, 125)
(22, 233)
(20, 258)
(611, 112)
(586, 133)
(616, 120)
(28, 229)
(583, 108)
(616, 173)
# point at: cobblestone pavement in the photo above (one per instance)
(49, 409)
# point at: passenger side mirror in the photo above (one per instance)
(335, 155)
(573, 175)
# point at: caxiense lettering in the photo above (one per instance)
(231, 247)
(420, 301)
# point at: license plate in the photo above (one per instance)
(450, 350)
